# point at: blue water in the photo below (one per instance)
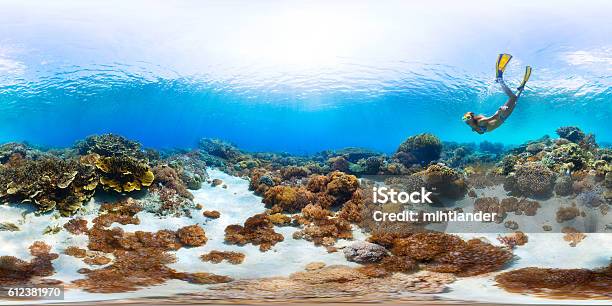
(298, 76)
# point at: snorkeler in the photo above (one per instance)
(481, 124)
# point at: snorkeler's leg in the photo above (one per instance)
(525, 79)
(507, 89)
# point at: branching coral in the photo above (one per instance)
(288, 198)
(49, 183)
(514, 239)
(17, 272)
(192, 235)
(257, 230)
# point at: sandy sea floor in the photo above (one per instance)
(236, 203)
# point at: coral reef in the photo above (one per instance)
(590, 198)
(108, 145)
(192, 235)
(287, 198)
(444, 181)
(531, 179)
(358, 284)
(559, 283)
(17, 272)
(168, 177)
(50, 183)
(505, 206)
(572, 236)
(124, 173)
(440, 252)
(571, 133)
(514, 239)
(257, 230)
(213, 214)
(563, 186)
(419, 149)
(76, 226)
(321, 228)
(191, 169)
(568, 157)
(235, 258)
(75, 252)
(140, 259)
(567, 213)
(219, 148)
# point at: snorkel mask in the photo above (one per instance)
(468, 117)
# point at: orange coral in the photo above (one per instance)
(559, 283)
(290, 199)
(257, 230)
(213, 214)
(15, 272)
(440, 252)
(192, 235)
(76, 226)
(215, 256)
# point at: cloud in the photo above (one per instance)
(601, 58)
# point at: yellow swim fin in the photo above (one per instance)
(502, 62)
(525, 78)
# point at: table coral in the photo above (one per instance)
(124, 173)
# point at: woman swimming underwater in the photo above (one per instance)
(481, 124)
